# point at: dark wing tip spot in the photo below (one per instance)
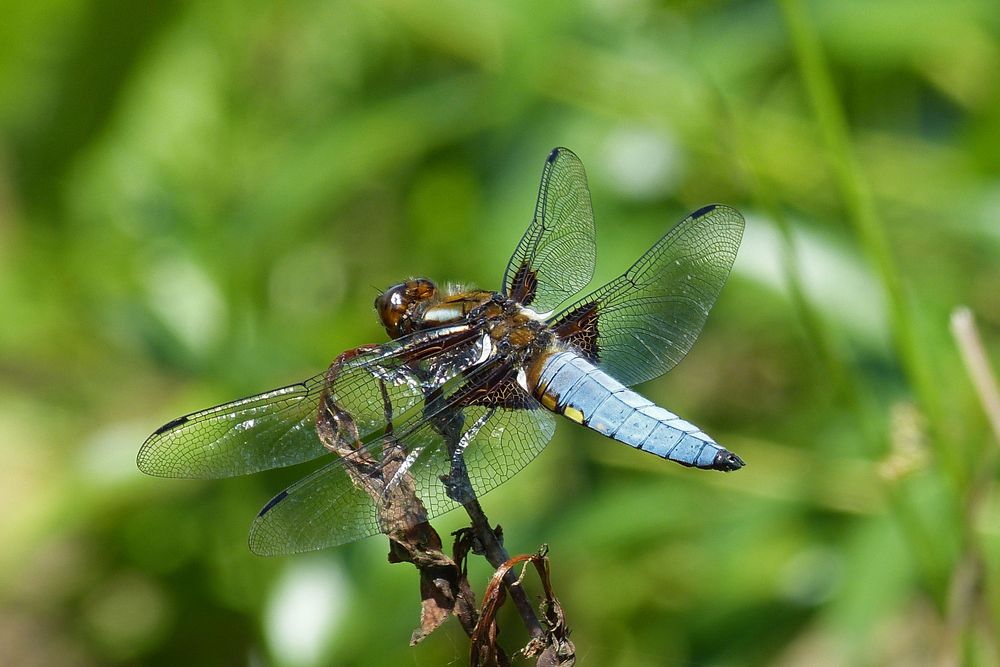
(271, 503)
(553, 154)
(726, 461)
(171, 425)
(704, 210)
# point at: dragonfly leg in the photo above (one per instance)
(456, 482)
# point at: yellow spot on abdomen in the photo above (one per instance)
(573, 414)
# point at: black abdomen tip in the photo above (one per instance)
(727, 461)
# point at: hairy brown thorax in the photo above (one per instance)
(418, 304)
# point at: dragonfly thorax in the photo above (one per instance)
(517, 335)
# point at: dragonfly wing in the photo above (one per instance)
(498, 443)
(278, 428)
(347, 499)
(270, 430)
(555, 258)
(641, 324)
(322, 510)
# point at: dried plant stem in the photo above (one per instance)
(386, 476)
(963, 327)
(967, 596)
(497, 555)
(459, 488)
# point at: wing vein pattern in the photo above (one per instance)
(555, 258)
(661, 302)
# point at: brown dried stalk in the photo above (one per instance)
(444, 586)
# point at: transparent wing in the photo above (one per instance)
(555, 258)
(278, 428)
(641, 324)
(269, 430)
(400, 476)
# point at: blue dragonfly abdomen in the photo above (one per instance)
(570, 385)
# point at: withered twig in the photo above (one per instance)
(967, 599)
(554, 648)
(459, 488)
(497, 555)
(444, 587)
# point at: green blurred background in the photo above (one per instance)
(199, 200)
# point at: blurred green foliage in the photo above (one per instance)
(199, 200)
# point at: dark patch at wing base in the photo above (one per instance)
(579, 329)
(506, 394)
(498, 390)
(524, 285)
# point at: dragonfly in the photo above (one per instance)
(469, 385)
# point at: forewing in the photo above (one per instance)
(555, 258)
(278, 428)
(343, 502)
(270, 430)
(641, 324)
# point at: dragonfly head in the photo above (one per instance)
(401, 306)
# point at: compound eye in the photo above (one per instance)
(391, 306)
(399, 306)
